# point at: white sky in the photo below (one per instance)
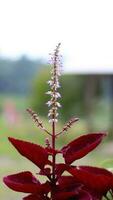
(84, 27)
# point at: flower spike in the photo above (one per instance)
(37, 120)
(68, 125)
(54, 85)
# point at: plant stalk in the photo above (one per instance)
(54, 156)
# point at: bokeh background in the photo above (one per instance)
(29, 31)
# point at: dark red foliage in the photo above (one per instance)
(35, 153)
(96, 180)
(86, 182)
(81, 146)
(22, 182)
(52, 151)
(26, 182)
(36, 197)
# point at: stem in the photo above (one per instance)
(46, 131)
(59, 133)
(54, 156)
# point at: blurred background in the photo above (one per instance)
(29, 31)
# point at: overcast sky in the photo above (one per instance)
(84, 27)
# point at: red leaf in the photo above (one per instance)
(22, 182)
(83, 195)
(112, 183)
(78, 195)
(81, 146)
(27, 183)
(35, 197)
(67, 188)
(96, 179)
(68, 183)
(65, 195)
(45, 172)
(52, 151)
(60, 168)
(35, 153)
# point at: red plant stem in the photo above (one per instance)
(54, 156)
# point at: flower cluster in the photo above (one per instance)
(54, 85)
(37, 120)
(68, 125)
(79, 182)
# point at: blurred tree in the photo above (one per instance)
(39, 88)
(92, 91)
(24, 70)
(72, 91)
(16, 75)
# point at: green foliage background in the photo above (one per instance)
(73, 94)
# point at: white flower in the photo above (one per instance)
(58, 104)
(57, 95)
(59, 73)
(50, 112)
(56, 114)
(49, 92)
(54, 108)
(57, 85)
(50, 82)
(49, 103)
(53, 120)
